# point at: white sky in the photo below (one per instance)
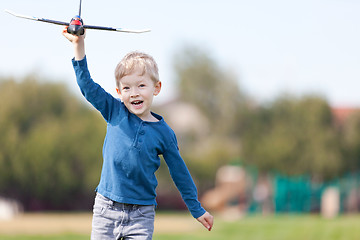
(293, 46)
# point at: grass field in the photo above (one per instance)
(182, 226)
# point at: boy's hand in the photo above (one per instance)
(207, 220)
(78, 43)
(71, 37)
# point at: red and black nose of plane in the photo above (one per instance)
(76, 26)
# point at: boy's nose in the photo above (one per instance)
(134, 93)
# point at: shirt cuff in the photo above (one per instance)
(197, 214)
(80, 63)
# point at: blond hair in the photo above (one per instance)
(134, 61)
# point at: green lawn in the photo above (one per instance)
(46, 237)
(285, 227)
(280, 227)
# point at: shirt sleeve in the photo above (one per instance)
(93, 92)
(182, 179)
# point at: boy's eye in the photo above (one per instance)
(126, 88)
(142, 85)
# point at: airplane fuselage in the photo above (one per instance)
(76, 26)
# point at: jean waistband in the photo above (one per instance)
(117, 204)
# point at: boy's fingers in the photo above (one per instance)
(64, 30)
(207, 224)
(207, 220)
(66, 34)
(204, 223)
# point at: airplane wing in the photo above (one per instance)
(116, 29)
(84, 26)
(38, 19)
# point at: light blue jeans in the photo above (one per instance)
(112, 220)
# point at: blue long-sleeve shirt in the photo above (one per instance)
(131, 150)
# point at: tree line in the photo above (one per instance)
(50, 145)
(51, 141)
(291, 135)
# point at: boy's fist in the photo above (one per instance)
(71, 37)
(207, 220)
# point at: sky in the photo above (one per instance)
(274, 47)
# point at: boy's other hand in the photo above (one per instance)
(207, 220)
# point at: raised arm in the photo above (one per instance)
(78, 43)
(103, 101)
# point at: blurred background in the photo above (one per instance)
(263, 97)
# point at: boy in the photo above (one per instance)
(125, 201)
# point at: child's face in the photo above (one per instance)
(137, 93)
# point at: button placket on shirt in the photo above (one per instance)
(140, 135)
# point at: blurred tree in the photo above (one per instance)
(351, 141)
(213, 90)
(216, 94)
(50, 144)
(294, 137)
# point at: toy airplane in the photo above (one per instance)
(76, 25)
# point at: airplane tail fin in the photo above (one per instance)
(80, 9)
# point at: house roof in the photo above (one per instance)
(341, 114)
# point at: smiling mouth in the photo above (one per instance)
(137, 103)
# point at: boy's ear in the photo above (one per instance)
(157, 88)
(118, 92)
